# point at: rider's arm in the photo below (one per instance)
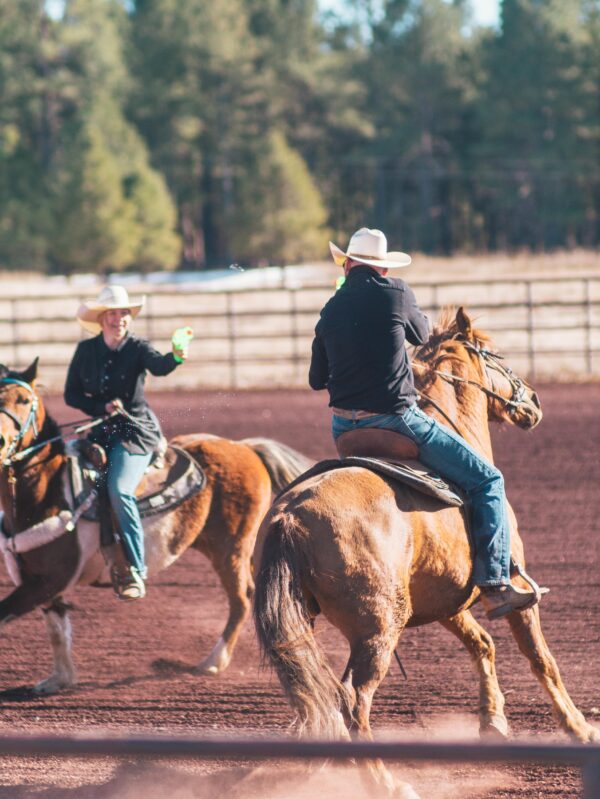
(417, 324)
(318, 374)
(156, 363)
(75, 395)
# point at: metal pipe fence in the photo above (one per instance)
(584, 757)
(261, 337)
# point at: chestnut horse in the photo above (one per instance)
(221, 521)
(374, 557)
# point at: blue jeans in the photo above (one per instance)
(125, 470)
(448, 454)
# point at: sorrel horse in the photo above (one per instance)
(221, 521)
(374, 557)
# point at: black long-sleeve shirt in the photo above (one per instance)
(98, 375)
(359, 352)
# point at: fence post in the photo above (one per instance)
(530, 329)
(149, 318)
(590, 773)
(14, 331)
(231, 337)
(295, 333)
(588, 325)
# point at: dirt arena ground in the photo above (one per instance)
(136, 662)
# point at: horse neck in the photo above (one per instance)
(31, 489)
(468, 413)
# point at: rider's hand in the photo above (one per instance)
(114, 406)
(181, 352)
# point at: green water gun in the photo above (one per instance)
(181, 339)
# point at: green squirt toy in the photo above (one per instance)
(181, 339)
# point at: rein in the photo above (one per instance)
(491, 360)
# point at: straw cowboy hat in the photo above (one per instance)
(369, 246)
(110, 298)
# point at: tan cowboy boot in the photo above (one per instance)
(498, 600)
(131, 585)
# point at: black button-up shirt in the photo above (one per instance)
(98, 375)
(359, 352)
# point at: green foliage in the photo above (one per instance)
(147, 134)
(280, 216)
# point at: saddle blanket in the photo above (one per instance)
(410, 473)
(160, 490)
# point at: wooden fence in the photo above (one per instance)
(545, 327)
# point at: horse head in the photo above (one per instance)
(21, 410)
(461, 355)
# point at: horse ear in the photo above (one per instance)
(30, 374)
(463, 322)
(4, 370)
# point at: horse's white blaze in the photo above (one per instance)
(217, 660)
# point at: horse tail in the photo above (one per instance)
(283, 463)
(286, 637)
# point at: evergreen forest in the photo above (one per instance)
(162, 134)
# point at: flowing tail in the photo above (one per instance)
(286, 637)
(283, 463)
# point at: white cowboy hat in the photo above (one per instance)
(110, 298)
(369, 246)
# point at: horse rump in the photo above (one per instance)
(285, 634)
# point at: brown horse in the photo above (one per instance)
(221, 521)
(374, 557)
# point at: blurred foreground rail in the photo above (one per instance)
(587, 758)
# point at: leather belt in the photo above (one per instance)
(346, 414)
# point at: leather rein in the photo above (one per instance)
(490, 360)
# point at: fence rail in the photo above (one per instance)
(585, 757)
(548, 327)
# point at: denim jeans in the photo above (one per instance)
(125, 470)
(448, 454)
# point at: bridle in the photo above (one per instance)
(22, 426)
(492, 361)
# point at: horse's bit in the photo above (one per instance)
(22, 427)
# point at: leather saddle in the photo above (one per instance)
(390, 454)
(172, 477)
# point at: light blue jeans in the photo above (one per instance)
(448, 454)
(125, 470)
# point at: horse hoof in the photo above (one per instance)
(404, 790)
(592, 735)
(52, 685)
(494, 726)
(210, 669)
(217, 661)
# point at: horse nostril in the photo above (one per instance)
(2, 441)
(535, 400)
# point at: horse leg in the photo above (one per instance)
(480, 646)
(368, 665)
(527, 631)
(58, 625)
(236, 578)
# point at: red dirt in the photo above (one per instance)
(136, 661)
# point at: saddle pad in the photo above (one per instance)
(184, 479)
(161, 491)
(411, 473)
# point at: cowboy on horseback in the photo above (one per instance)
(106, 377)
(359, 355)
